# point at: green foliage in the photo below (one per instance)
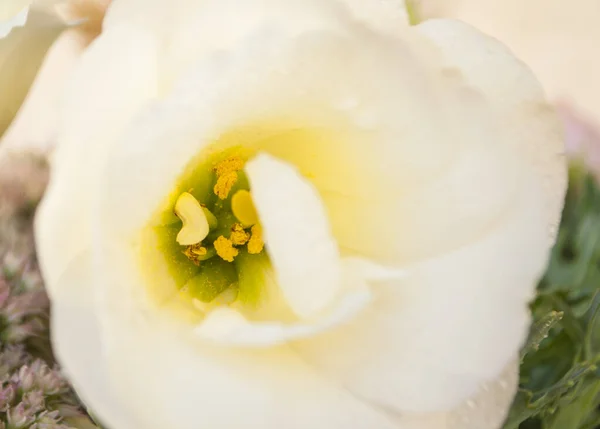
(560, 378)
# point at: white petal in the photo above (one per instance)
(358, 141)
(512, 89)
(508, 117)
(103, 98)
(21, 55)
(383, 15)
(489, 407)
(189, 386)
(77, 344)
(297, 235)
(485, 410)
(406, 220)
(226, 326)
(190, 30)
(78, 349)
(156, 363)
(10, 8)
(35, 126)
(17, 20)
(465, 306)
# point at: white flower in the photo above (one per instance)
(407, 182)
(557, 40)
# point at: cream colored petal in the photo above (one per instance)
(188, 387)
(103, 96)
(456, 319)
(388, 16)
(218, 96)
(35, 126)
(77, 344)
(485, 410)
(508, 115)
(10, 8)
(78, 348)
(205, 28)
(297, 235)
(21, 55)
(188, 30)
(156, 363)
(225, 326)
(490, 405)
(7, 23)
(356, 141)
(534, 129)
(405, 220)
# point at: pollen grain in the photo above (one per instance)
(224, 248)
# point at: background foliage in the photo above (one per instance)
(560, 379)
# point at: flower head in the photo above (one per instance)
(297, 213)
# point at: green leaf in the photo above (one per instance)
(591, 337)
(520, 410)
(569, 321)
(573, 415)
(539, 332)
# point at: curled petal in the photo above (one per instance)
(21, 55)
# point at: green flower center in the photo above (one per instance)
(210, 235)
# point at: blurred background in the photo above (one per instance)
(558, 40)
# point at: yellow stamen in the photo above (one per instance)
(243, 208)
(225, 249)
(224, 184)
(256, 243)
(198, 251)
(229, 165)
(195, 226)
(238, 236)
(195, 252)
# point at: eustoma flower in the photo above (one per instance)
(297, 214)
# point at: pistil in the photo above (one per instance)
(195, 225)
